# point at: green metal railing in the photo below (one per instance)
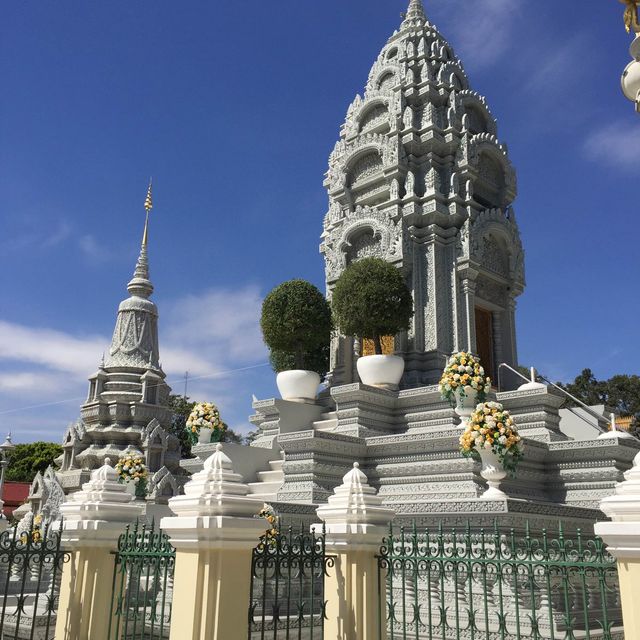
(287, 586)
(30, 572)
(497, 585)
(142, 585)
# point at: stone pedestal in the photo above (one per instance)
(356, 522)
(214, 531)
(622, 537)
(94, 518)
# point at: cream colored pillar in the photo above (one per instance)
(356, 522)
(622, 537)
(94, 519)
(214, 532)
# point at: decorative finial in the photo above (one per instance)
(356, 465)
(107, 461)
(631, 20)
(219, 447)
(148, 205)
(415, 11)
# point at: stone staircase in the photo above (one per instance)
(328, 422)
(268, 482)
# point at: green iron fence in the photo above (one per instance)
(497, 585)
(287, 586)
(30, 572)
(142, 585)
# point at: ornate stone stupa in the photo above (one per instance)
(420, 178)
(126, 410)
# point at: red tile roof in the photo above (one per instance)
(14, 494)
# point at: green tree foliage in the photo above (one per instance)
(296, 324)
(181, 408)
(620, 392)
(316, 360)
(371, 300)
(27, 459)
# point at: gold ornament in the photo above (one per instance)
(631, 20)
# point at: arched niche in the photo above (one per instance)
(363, 167)
(386, 81)
(489, 188)
(374, 118)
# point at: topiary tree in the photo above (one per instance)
(317, 360)
(296, 323)
(371, 300)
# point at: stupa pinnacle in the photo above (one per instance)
(126, 405)
(420, 178)
(415, 11)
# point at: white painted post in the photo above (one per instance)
(356, 522)
(622, 537)
(214, 532)
(94, 519)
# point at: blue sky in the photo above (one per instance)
(233, 107)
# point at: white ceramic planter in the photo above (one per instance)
(381, 371)
(298, 385)
(493, 472)
(204, 437)
(465, 405)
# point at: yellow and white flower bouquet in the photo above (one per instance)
(205, 415)
(270, 536)
(131, 468)
(462, 376)
(492, 428)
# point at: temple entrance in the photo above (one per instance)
(484, 340)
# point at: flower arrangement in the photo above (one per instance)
(269, 514)
(131, 468)
(464, 374)
(205, 415)
(36, 531)
(491, 427)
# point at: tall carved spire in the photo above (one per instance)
(135, 339)
(415, 11)
(140, 285)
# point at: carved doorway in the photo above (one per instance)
(484, 340)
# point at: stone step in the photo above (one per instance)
(258, 488)
(276, 465)
(325, 425)
(271, 476)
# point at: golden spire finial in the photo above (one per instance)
(148, 205)
(631, 20)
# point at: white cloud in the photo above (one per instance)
(94, 251)
(215, 336)
(222, 323)
(487, 30)
(614, 144)
(50, 348)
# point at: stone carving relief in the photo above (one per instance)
(367, 166)
(494, 256)
(363, 232)
(373, 117)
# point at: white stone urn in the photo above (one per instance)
(381, 371)
(466, 404)
(493, 472)
(298, 385)
(204, 435)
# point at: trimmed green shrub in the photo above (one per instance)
(317, 361)
(371, 300)
(296, 326)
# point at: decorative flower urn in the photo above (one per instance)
(465, 404)
(493, 472)
(298, 385)
(381, 371)
(204, 435)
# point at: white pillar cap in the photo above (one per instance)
(355, 511)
